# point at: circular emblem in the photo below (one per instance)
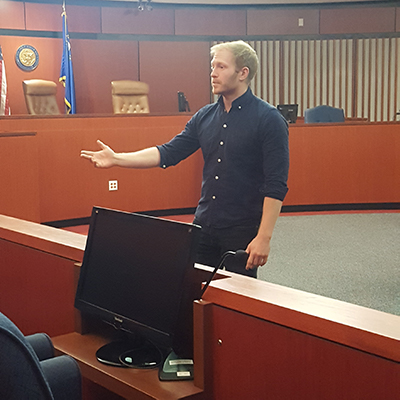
(27, 57)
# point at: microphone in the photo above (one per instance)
(240, 255)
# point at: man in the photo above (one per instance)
(244, 141)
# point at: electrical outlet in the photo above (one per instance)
(301, 21)
(112, 185)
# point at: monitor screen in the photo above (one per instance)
(289, 111)
(135, 272)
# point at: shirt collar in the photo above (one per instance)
(240, 102)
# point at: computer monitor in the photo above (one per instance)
(289, 111)
(137, 276)
(183, 104)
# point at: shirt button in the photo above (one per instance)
(213, 197)
(224, 125)
(219, 160)
(239, 107)
(221, 143)
(216, 177)
(164, 166)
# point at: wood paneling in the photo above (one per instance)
(397, 19)
(47, 17)
(264, 360)
(267, 83)
(50, 51)
(321, 71)
(69, 186)
(206, 21)
(361, 76)
(83, 19)
(93, 73)
(132, 21)
(330, 164)
(377, 78)
(96, 64)
(291, 344)
(282, 22)
(361, 328)
(180, 66)
(12, 15)
(38, 275)
(76, 186)
(20, 194)
(286, 343)
(357, 20)
(170, 67)
(36, 289)
(340, 165)
(43, 17)
(315, 72)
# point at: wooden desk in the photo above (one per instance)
(126, 382)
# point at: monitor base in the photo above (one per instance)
(130, 354)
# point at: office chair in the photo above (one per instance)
(323, 114)
(29, 370)
(130, 97)
(40, 97)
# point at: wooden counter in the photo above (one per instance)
(350, 163)
(44, 179)
(252, 339)
(128, 383)
(37, 275)
(258, 340)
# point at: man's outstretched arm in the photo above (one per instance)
(107, 158)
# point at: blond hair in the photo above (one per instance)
(244, 54)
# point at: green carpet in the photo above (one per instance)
(350, 257)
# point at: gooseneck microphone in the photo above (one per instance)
(239, 255)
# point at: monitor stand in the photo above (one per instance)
(133, 354)
(175, 368)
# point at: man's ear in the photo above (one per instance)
(244, 73)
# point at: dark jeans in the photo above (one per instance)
(214, 242)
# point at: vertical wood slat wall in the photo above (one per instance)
(362, 76)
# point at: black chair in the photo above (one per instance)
(323, 114)
(29, 370)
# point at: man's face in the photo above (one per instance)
(225, 78)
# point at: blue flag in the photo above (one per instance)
(67, 73)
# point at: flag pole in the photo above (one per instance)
(66, 73)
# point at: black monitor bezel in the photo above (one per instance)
(125, 323)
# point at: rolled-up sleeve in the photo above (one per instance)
(179, 147)
(275, 155)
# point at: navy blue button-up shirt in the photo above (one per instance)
(246, 158)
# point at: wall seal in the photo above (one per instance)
(27, 58)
